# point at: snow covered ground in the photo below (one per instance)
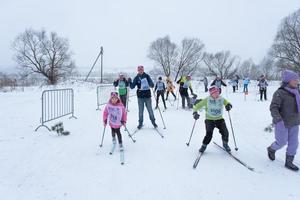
(42, 165)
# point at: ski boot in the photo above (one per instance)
(154, 125)
(139, 126)
(203, 148)
(226, 147)
(289, 163)
(271, 153)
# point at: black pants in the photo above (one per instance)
(184, 96)
(116, 131)
(123, 99)
(263, 93)
(234, 88)
(171, 93)
(210, 125)
(162, 94)
(205, 88)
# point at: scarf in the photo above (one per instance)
(297, 95)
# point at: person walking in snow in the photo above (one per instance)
(170, 88)
(285, 111)
(160, 90)
(213, 105)
(185, 84)
(144, 83)
(246, 82)
(122, 85)
(234, 85)
(262, 84)
(218, 82)
(205, 82)
(114, 114)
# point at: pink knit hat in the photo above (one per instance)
(213, 90)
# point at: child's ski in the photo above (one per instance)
(122, 159)
(197, 160)
(235, 158)
(112, 148)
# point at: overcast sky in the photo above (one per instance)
(125, 28)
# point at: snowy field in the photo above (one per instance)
(43, 165)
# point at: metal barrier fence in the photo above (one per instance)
(56, 104)
(103, 94)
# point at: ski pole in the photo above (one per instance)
(188, 143)
(236, 148)
(177, 95)
(162, 119)
(102, 136)
(133, 140)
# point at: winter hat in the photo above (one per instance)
(160, 78)
(213, 90)
(114, 94)
(140, 67)
(288, 75)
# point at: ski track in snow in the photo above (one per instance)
(42, 165)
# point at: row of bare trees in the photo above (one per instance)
(190, 57)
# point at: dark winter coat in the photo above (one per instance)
(143, 83)
(284, 107)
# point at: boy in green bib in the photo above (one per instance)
(213, 105)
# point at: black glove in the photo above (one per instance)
(129, 80)
(228, 107)
(196, 115)
(105, 122)
(123, 122)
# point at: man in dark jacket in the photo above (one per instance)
(285, 111)
(143, 82)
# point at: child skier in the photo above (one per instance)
(214, 117)
(114, 114)
(170, 88)
(122, 83)
(160, 91)
(285, 111)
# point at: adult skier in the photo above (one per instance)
(144, 83)
(218, 82)
(160, 90)
(185, 84)
(170, 88)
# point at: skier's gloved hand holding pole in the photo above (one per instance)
(228, 107)
(196, 115)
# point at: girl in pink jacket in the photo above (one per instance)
(115, 114)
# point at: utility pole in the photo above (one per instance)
(95, 62)
(101, 53)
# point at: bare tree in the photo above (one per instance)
(163, 52)
(267, 67)
(191, 54)
(286, 46)
(36, 52)
(221, 63)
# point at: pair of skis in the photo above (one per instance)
(122, 159)
(229, 153)
(156, 129)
